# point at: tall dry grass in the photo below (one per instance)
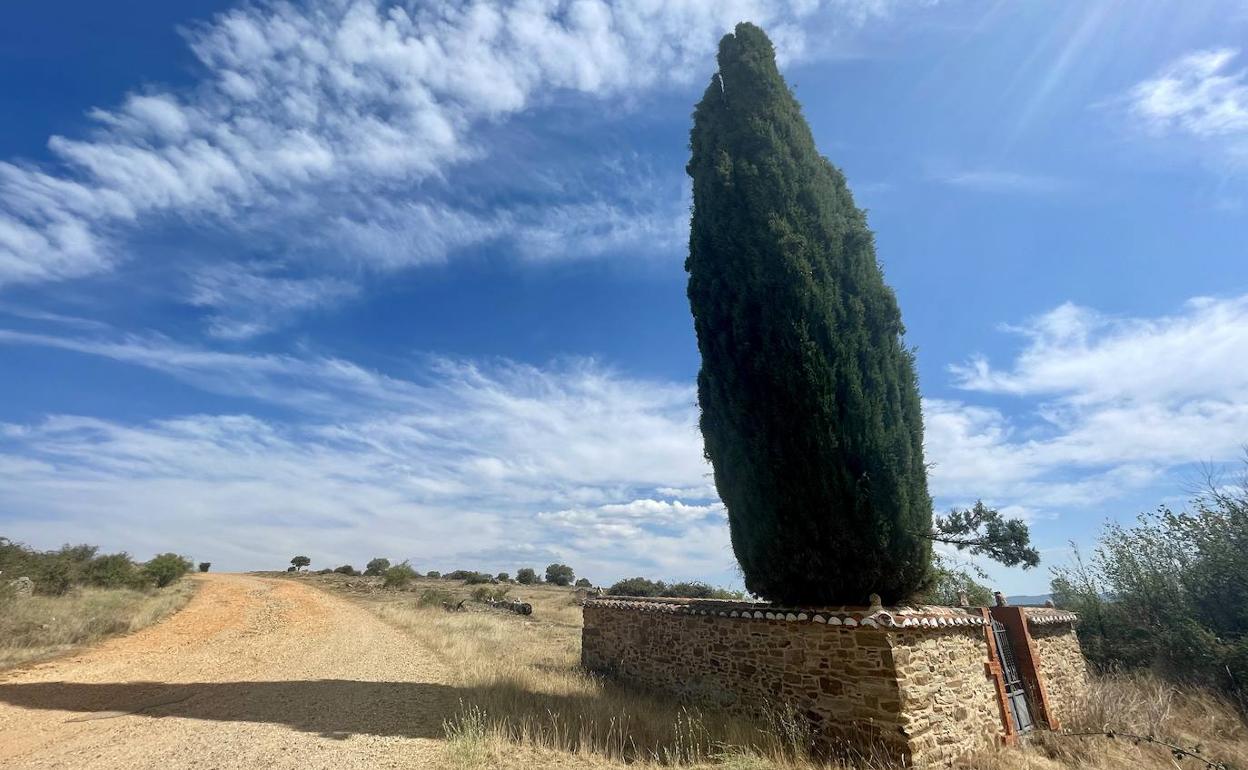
(526, 703)
(43, 626)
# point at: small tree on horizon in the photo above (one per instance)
(809, 399)
(204, 566)
(300, 562)
(376, 566)
(527, 576)
(559, 574)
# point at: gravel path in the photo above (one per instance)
(254, 672)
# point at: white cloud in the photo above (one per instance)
(251, 299)
(1199, 96)
(443, 468)
(357, 100)
(1109, 406)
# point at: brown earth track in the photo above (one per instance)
(254, 672)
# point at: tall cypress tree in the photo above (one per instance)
(809, 400)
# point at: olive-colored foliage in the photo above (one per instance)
(114, 570)
(433, 573)
(583, 583)
(527, 576)
(1169, 593)
(166, 568)
(985, 532)
(640, 586)
(398, 576)
(503, 577)
(809, 399)
(204, 566)
(949, 583)
(559, 574)
(55, 572)
(376, 566)
(471, 577)
(346, 569)
(299, 562)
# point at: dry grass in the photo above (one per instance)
(43, 626)
(527, 704)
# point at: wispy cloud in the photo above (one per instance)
(340, 125)
(1001, 181)
(1110, 405)
(1201, 96)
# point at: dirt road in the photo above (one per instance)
(254, 672)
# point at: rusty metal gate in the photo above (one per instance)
(1015, 691)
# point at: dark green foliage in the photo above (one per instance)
(949, 583)
(166, 568)
(398, 576)
(527, 576)
(985, 532)
(471, 577)
(114, 570)
(583, 583)
(204, 566)
(809, 399)
(503, 577)
(346, 569)
(377, 566)
(291, 568)
(53, 572)
(559, 574)
(324, 571)
(299, 562)
(433, 573)
(639, 586)
(1169, 594)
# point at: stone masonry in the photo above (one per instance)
(917, 684)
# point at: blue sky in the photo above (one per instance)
(349, 279)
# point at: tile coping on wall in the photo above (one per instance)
(915, 617)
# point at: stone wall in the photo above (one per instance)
(911, 683)
(1062, 668)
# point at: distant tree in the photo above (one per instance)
(809, 399)
(398, 576)
(583, 583)
(291, 568)
(376, 566)
(299, 562)
(559, 574)
(433, 573)
(638, 586)
(345, 569)
(166, 568)
(503, 577)
(204, 566)
(527, 576)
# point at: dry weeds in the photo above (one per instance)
(528, 704)
(44, 626)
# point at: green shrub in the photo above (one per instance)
(469, 576)
(486, 593)
(345, 569)
(1169, 593)
(949, 583)
(559, 574)
(639, 586)
(503, 577)
(398, 576)
(166, 568)
(204, 566)
(583, 583)
(527, 576)
(433, 573)
(376, 566)
(300, 562)
(435, 597)
(115, 570)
